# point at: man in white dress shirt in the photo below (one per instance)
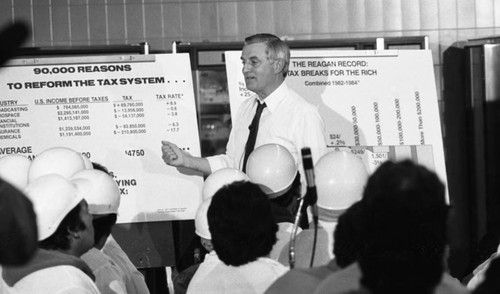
(287, 118)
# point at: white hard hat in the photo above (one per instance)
(201, 220)
(14, 169)
(57, 160)
(340, 179)
(220, 178)
(99, 189)
(273, 168)
(53, 197)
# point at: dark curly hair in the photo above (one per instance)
(241, 223)
(404, 229)
(347, 236)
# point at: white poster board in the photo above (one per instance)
(378, 104)
(114, 109)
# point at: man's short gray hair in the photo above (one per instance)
(276, 48)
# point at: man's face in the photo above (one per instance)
(86, 235)
(259, 73)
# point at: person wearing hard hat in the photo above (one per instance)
(346, 249)
(192, 276)
(65, 233)
(220, 178)
(133, 278)
(202, 243)
(275, 114)
(18, 230)
(272, 167)
(243, 232)
(14, 169)
(17, 218)
(340, 179)
(103, 198)
(195, 251)
(63, 161)
(403, 225)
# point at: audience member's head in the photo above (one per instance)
(56, 160)
(63, 220)
(14, 169)
(220, 178)
(241, 223)
(273, 168)
(18, 230)
(347, 236)
(201, 225)
(340, 178)
(404, 229)
(103, 197)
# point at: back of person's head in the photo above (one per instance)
(340, 180)
(347, 236)
(293, 193)
(220, 178)
(18, 229)
(273, 168)
(241, 223)
(276, 48)
(403, 229)
(99, 189)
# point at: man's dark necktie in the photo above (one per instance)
(254, 128)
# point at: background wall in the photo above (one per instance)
(160, 22)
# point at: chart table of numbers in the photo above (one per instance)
(116, 110)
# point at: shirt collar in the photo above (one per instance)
(274, 99)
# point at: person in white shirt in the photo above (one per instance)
(103, 197)
(212, 184)
(104, 206)
(18, 230)
(134, 279)
(340, 178)
(65, 233)
(287, 119)
(243, 233)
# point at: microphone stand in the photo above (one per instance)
(315, 239)
(311, 200)
(291, 248)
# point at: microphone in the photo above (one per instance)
(311, 195)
